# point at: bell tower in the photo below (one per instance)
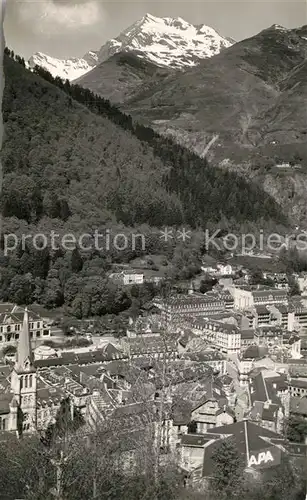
(23, 378)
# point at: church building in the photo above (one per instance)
(26, 404)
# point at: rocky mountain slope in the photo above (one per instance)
(234, 94)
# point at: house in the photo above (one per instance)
(209, 265)
(302, 283)
(211, 413)
(11, 321)
(152, 276)
(225, 337)
(247, 338)
(99, 406)
(128, 277)
(300, 312)
(266, 407)
(280, 280)
(224, 269)
(246, 361)
(181, 418)
(298, 387)
(269, 336)
(270, 297)
(274, 315)
(242, 297)
(191, 305)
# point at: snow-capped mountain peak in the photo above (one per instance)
(166, 42)
(65, 68)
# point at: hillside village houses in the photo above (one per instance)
(232, 360)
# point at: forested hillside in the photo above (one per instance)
(62, 161)
(73, 164)
(161, 184)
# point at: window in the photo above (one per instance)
(38, 333)
(38, 324)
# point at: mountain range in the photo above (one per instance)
(240, 104)
(165, 42)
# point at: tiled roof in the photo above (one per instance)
(204, 356)
(181, 412)
(149, 344)
(197, 440)
(298, 406)
(215, 325)
(225, 379)
(267, 293)
(71, 358)
(261, 309)
(5, 400)
(262, 389)
(47, 396)
(255, 352)
(270, 413)
(300, 383)
(103, 400)
(247, 334)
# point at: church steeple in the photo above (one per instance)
(23, 378)
(24, 360)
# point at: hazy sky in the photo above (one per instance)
(68, 28)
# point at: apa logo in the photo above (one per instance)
(262, 458)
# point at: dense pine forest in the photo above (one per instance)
(74, 163)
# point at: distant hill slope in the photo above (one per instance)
(230, 94)
(122, 76)
(64, 162)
